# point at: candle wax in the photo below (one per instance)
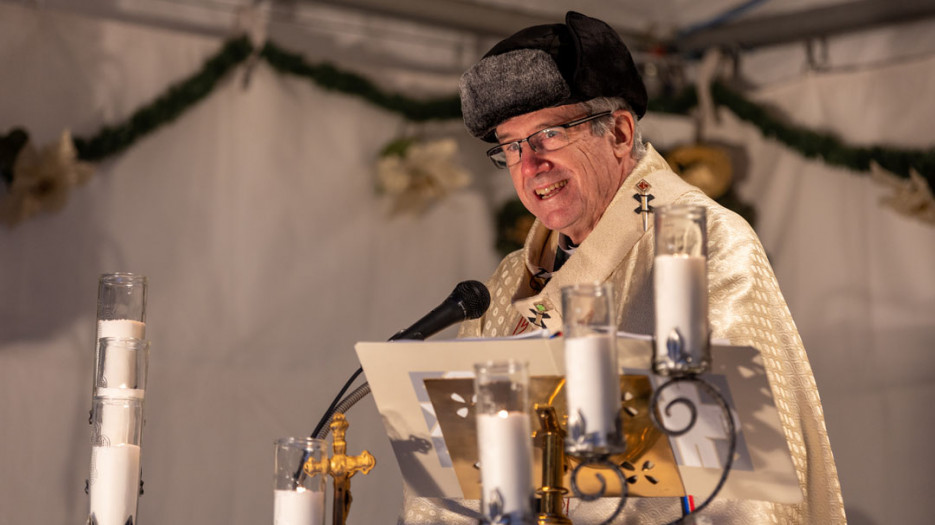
(121, 328)
(298, 507)
(505, 443)
(114, 483)
(592, 384)
(681, 295)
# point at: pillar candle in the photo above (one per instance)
(505, 443)
(298, 507)
(591, 382)
(114, 483)
(681, 297)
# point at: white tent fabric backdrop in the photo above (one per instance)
(269, 254)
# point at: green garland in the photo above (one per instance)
(330, 77)
(678, 104)
(181, 96)
(167, 107)
(812, 144)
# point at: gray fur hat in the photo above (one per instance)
(546, 66)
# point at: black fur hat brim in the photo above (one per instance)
(546, 66)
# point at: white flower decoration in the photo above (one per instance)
(43, 179)
(417, 174)
(911, 197)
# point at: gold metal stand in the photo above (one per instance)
(343, 467)
(551, 439)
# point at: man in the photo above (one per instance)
(562, 104)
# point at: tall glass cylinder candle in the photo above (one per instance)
(114, 478)
(680, 289)
(298, 500)
(592, 380)
(504, 437)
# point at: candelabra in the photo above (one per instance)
(555, 452)
(681, 353)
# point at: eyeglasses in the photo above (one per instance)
(548, 139)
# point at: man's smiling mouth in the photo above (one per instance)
(550, 190)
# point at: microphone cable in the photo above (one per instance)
(332, 408)
(469, 300)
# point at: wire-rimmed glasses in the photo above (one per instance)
(548, 139)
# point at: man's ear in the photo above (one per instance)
(623, 133)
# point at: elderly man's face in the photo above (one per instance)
(569, 189)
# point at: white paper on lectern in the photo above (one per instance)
(763, 467)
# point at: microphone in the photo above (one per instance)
(469, 300)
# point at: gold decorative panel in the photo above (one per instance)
(648, 463)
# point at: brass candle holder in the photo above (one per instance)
(550, 437)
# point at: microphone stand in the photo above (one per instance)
(329, 413)
(342, 407)
(323, 428)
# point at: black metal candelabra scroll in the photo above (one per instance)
(655, 410)
(725, 409)
(600, 461)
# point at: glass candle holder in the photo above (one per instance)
(299, 497)
(592, 380)
(121, 305)
(114, 478)
(121, 366)
(680, 289)
(121, 312)
(504, 437)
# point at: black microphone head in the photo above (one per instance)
(473, 297)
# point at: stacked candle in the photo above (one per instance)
(504, 438)
(114, 480)
(298, 496)
(680, 289)
(121, 360)
(592, 381)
